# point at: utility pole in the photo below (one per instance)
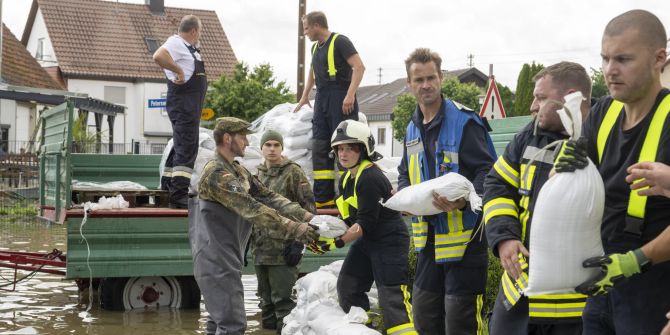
(471, 62)
(302, 5)
(379, 75)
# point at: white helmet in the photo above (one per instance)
(351, 131)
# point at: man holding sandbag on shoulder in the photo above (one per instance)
(629, 295)
(510, 193)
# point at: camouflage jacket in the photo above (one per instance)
(288, 179)
(235, 188)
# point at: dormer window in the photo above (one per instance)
(152, 44)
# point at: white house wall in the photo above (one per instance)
(39, 30)
(387, 148)
(24, 121)
(8, 116)
(140, 123)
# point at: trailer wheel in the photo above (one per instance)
(148, 292)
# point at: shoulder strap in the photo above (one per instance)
(605, 129)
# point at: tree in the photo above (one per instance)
(247, 94)
(599, 87)
(465, 94)
(524, 89)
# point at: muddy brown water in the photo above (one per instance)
(49, 304)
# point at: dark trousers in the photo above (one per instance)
(275, 286)
(636, 306)
(517, 322)
(327, 116)
(448, 298)
(385, 263)
(184, 112)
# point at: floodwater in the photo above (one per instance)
(48, 304)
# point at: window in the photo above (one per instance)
(381, 136)
(152, 44)
(4, 139)
(39, 53)
(115, 95)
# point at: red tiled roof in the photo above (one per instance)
(93, 38)
(19, 67)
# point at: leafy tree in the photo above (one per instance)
(524, 89)
(247, 94)
(599, 87)
(465, 94)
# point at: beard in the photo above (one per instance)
(236, 149)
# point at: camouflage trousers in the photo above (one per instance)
(275, 287)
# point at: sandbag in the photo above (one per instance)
(329, 226)
(566, 221)
(418, 199)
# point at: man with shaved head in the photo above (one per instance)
(631, 293)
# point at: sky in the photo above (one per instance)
(506, 34)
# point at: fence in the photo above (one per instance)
(19, 172)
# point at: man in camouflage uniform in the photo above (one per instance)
(275, 257)
(231, 200)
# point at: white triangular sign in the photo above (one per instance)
(492, 107)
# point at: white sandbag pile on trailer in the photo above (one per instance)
(206, 151)
(317, 311)
(566, 221)
(418, 199)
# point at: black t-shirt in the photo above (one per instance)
(376, 220)
(343, 50)
(621, 151)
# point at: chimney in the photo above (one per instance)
(157, 7)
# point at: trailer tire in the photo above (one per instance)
(148, 292)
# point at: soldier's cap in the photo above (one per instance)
(234, 125)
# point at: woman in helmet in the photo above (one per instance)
(379, 236)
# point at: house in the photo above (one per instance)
(18, 118)
(105, 48)
(468, 75)
(377, 102)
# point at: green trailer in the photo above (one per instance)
(140, 256)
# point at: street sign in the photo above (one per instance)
(492, 107)
(206, 114)
(156, 103)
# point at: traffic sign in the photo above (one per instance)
(206, 114)
(492, 107)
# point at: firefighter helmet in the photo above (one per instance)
(351, 131)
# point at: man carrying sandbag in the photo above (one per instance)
(231, 200)
(511, 190)
(628, 127)
(444, 136)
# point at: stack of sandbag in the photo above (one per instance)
(566, 221)
(317, 311)
(206, 151)
(296, 128)
(418, 199)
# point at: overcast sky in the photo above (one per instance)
(504, 33)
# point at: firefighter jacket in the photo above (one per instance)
(510, 191)
(451, 231)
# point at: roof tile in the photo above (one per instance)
(19, 67)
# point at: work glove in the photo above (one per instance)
(325, 244)
(293, 253)
(302, 232)
(613, 269)
(572, 156)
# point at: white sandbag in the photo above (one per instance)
(116, 202)
(329, 226)
(122, 185)
(298, 142)
(566, 231)
(566, 221)
(296, 154)
(252, 152)
(418, 199)
(289, 127)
